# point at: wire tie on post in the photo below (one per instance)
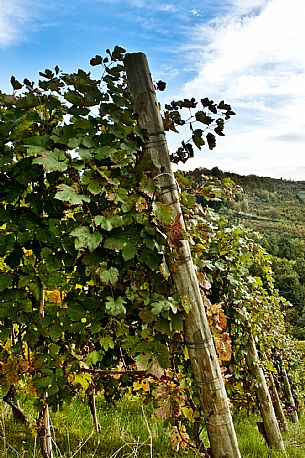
(183, 260)
(168, 186)
(146, 144)
(153, 134)
(199, 343)
(204, 382)
(157, 132)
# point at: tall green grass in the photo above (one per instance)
(128, 430)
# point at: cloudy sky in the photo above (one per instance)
(251, 53)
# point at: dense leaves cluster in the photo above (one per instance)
(82, 279)
(203, 124)
(236, 273)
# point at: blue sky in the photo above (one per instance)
(250, 53)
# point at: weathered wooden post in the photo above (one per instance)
(271, 426)
(43, 421)
(44, 432)
(292, 409)
(198, 337)
(278, 408)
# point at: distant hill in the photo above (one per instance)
(276, 209)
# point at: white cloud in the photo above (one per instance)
(15, 16)
(254, 58)
(149, 5)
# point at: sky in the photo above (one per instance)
(250, 53)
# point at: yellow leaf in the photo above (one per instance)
(27, 252)
(141, 385)
(187, 412)
(71, 378)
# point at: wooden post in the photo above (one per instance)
(292, 409)
(43, 422)
(44, 432)
(271, 426)
(198, 337)
(278, 407)
(91, 402)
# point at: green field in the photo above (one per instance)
(128, 430)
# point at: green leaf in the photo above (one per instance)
(6, 281)
(104, 152)
(130, 249)
(55, 331)
(115, 307)
(104, 222)
(74, 142)
(211, 140)
(95, 187)
(202, 117)
(47, 74)
(93, 357)
(76, 313)
(82, 379)
(75, 98)
(15, 83)
(163, 212)
(109, 277)
(187, 412)
(97, 60)
(198, 138)
(43, 382)
(38, 140)
(118, 53)
(163, 306)
(54, 161)
(116, 241)
(86, 239)
(152, 259)
(107, 342)
(270, 367)
(157, 307)
(142, 362)
(68, 194)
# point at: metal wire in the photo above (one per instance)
(196, 343)
(183, 260)
(157, 132)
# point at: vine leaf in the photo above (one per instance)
(54, 161)
(15, 83)
(175, 235)
(160, 85)
(85, 239)
(109, 277)
(68, 194)
(155, 368)
(115, 307)
(211, 140)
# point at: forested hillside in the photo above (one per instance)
(276, 209)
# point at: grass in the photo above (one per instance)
(252, 444)
(127, 431)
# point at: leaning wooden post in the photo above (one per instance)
(291, 406)
(278, 407)
(271, 425)
(43, 422)
(198, 337)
